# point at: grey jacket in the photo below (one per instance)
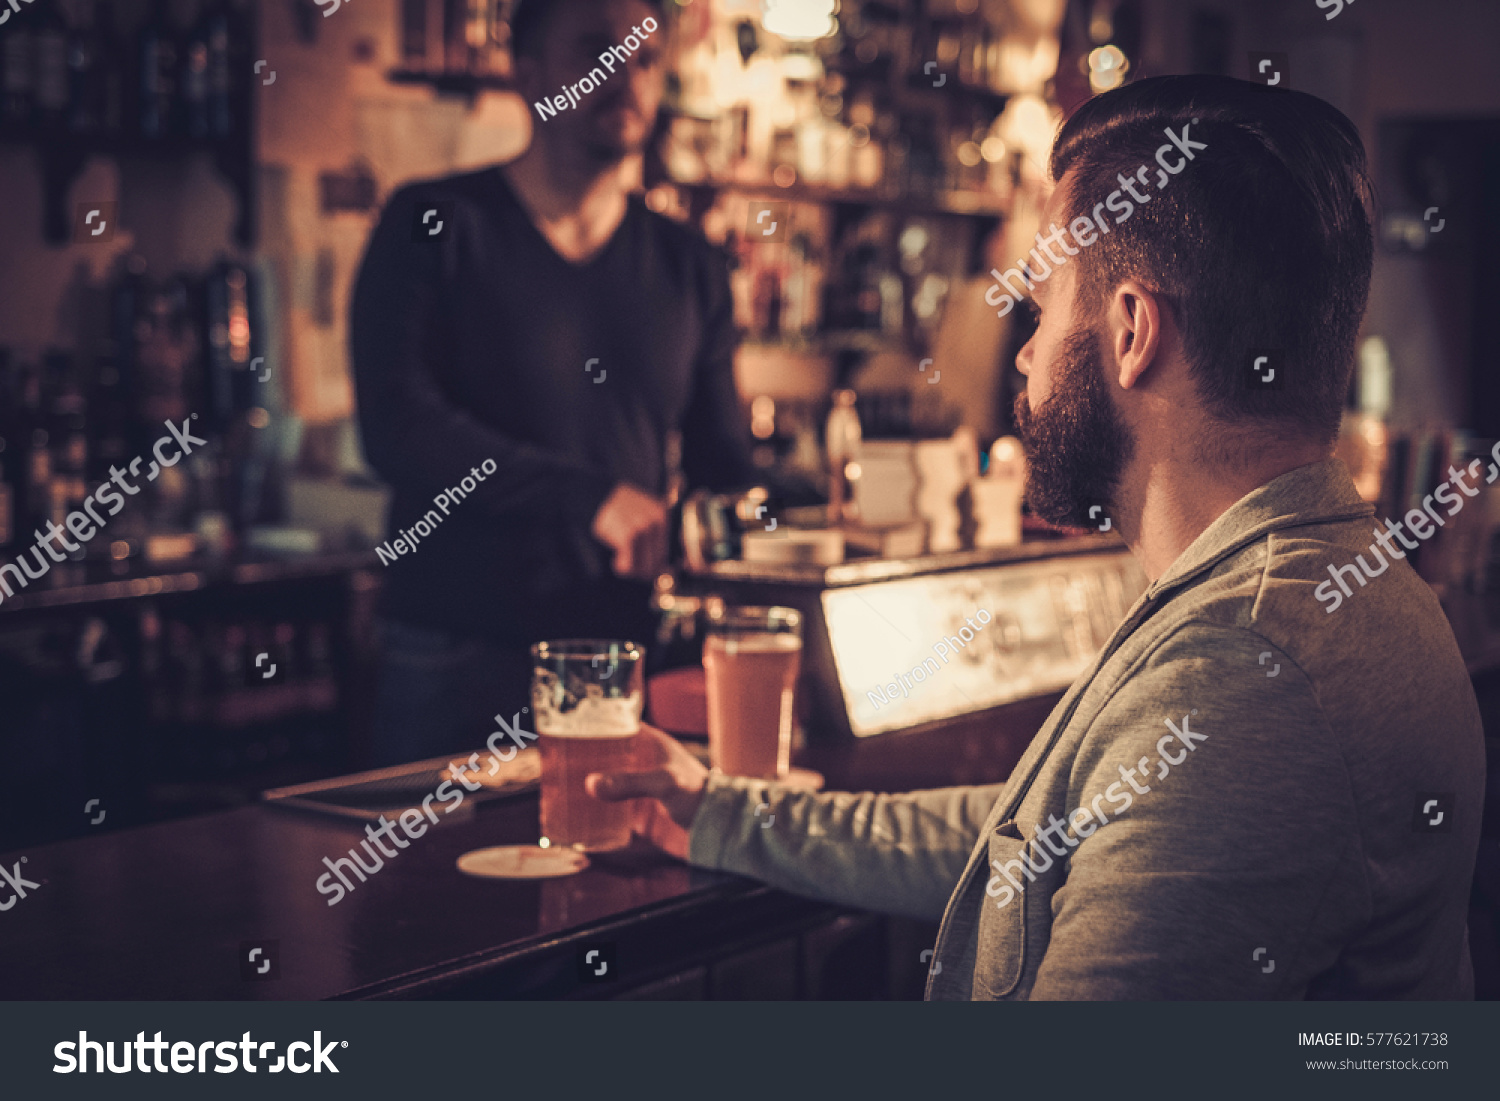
(1239, 800)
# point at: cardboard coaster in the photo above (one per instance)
(522, 862)
(803, 779)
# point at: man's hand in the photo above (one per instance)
(633, 524)
(673, 783)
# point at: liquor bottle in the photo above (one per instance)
(868, 301)
(227, 324)
(67, 440)
(7, 502)
(9, 459)
(477, 36)
(156, 59)
(193, 79)
(20, 73)
(51, 72)
(85, 73)
(842, 440)
(35, 467)
(222, 29)
(414, 34)
(109, 418)
(67, 416)
(111, 65)
(455, 44)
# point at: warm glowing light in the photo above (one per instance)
(968, 154)
(1107, 68)
(1006, 449)
(784, 175)
(801, 67)
(799, 19)
(763, 417)
(992, 149)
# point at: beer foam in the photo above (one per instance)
(756, 643)
(596, 716)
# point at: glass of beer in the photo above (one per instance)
(586, 695)
(750, 658)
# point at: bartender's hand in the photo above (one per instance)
(633, 524)
(671, 789)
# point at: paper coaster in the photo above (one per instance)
(802, 779)
(522, 862)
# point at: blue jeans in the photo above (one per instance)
(439, 692)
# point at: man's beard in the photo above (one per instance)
(1077, 444)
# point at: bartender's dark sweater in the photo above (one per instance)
(475, 344)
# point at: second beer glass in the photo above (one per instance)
(587, 696)
(750, 658)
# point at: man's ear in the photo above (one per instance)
(1133, 324)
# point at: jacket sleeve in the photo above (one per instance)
(1236, 874)
(414, 436)
(715, 430)
(898, 854)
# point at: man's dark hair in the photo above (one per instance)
(531, 19)
(1260, 242)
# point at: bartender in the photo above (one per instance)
(524, 339)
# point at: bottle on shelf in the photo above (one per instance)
(455, 36)
(414, 34)
(223, 29)
(50, 46)
(111, 66)
(18, 55)
(9, 494)
(35, 466)
(842, 440)
(109, 413)
(226, 343)
(85, 73)
(156, 70)
(192, 80)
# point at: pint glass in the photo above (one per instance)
(586, 695)
(750, 658)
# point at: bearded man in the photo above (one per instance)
(1182, 818)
